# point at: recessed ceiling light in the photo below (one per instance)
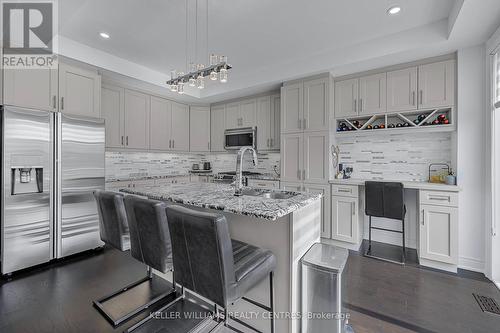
(104, 35)
(394, 10)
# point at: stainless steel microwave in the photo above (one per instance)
(240, 137)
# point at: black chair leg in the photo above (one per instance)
(404, 242)
(370, 234)
(271, 301)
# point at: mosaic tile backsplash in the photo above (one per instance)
(395, 157)
(128, 165)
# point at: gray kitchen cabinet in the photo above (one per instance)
(346, 98)
(292, 157)
(79, 91)
(233, 115)
(217, 127)
(316, 105)
(180, 127)
(402, 90)
(292, 111)
(160, 124)
(31, 88)
(248, 113)
(264, 125)
(436, 84)
(136, 124)
(275, 121)
(372, 94)
(268, 114)
(439, 234)
(113, 109)
(199, 129)
(315, 154)
(323, 189)
(345, 219)
(291, 186)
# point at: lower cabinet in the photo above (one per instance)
(325, 206)
(324, 189)
(345, 219)
(264, 184)
(439, 233)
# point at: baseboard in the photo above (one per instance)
(471, 264)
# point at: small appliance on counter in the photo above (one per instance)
(207, 166)
(438, 172)
(195, 167)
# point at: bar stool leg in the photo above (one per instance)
(271, 301)
(404, 242)
(370, 234)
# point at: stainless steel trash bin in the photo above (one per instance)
(322, 268)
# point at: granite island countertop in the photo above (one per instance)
(221, 197)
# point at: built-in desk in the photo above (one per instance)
(432, 212)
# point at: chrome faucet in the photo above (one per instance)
(239, 171)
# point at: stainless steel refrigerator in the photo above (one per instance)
(51, 163)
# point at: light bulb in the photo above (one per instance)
(213, 59)
(173, 74)
(201, 82)
(223, 59)
(174, 88)
(223, 75)
(192, 81)
(180, 90)
(213, 75)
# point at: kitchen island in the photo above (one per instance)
(287, 227)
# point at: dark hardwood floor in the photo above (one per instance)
(381, 297)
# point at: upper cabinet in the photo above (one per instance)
(199, 124)
(136, 119)
(372, 94)
(305, 106)
(402, 90)
(160, 131)
(292, 107)
(346, 98)
(316, 105)
(180, 127)
(217, 127)
(113, 112)
(436, 84)
(423, 87)
(79, 91)
(31, 88)
(241, 114)
(268, 109)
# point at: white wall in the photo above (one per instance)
(471, 156)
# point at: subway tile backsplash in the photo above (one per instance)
(129, 165)
(395, 157)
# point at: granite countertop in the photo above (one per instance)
(221, 197)
(138, 178)
(407, 184)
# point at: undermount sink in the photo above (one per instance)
(268, 194)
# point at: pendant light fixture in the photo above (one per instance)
(217, 70)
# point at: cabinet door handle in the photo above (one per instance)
(305, 123)
(304, 174)
(423, 217)
(169, 143)
(268, 143)
(355, 105)
(62, 103)
(272, 142)
(127, 140)
(54, 101)
(173, 143)
(413, 97)
(298, 174)
(208, 145)
(360, 105)
(344, 190)
(421, 97)
(122, 140)
(353, 208)
(439, 197)
(300, 123)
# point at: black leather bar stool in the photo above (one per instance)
(114, 231)
(385, 199)
(212, 265)
(150, 239)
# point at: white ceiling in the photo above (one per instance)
(269, 41)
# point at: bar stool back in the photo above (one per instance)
(212, 265)
(385, 199)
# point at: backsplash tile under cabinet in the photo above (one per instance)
(395, 157)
